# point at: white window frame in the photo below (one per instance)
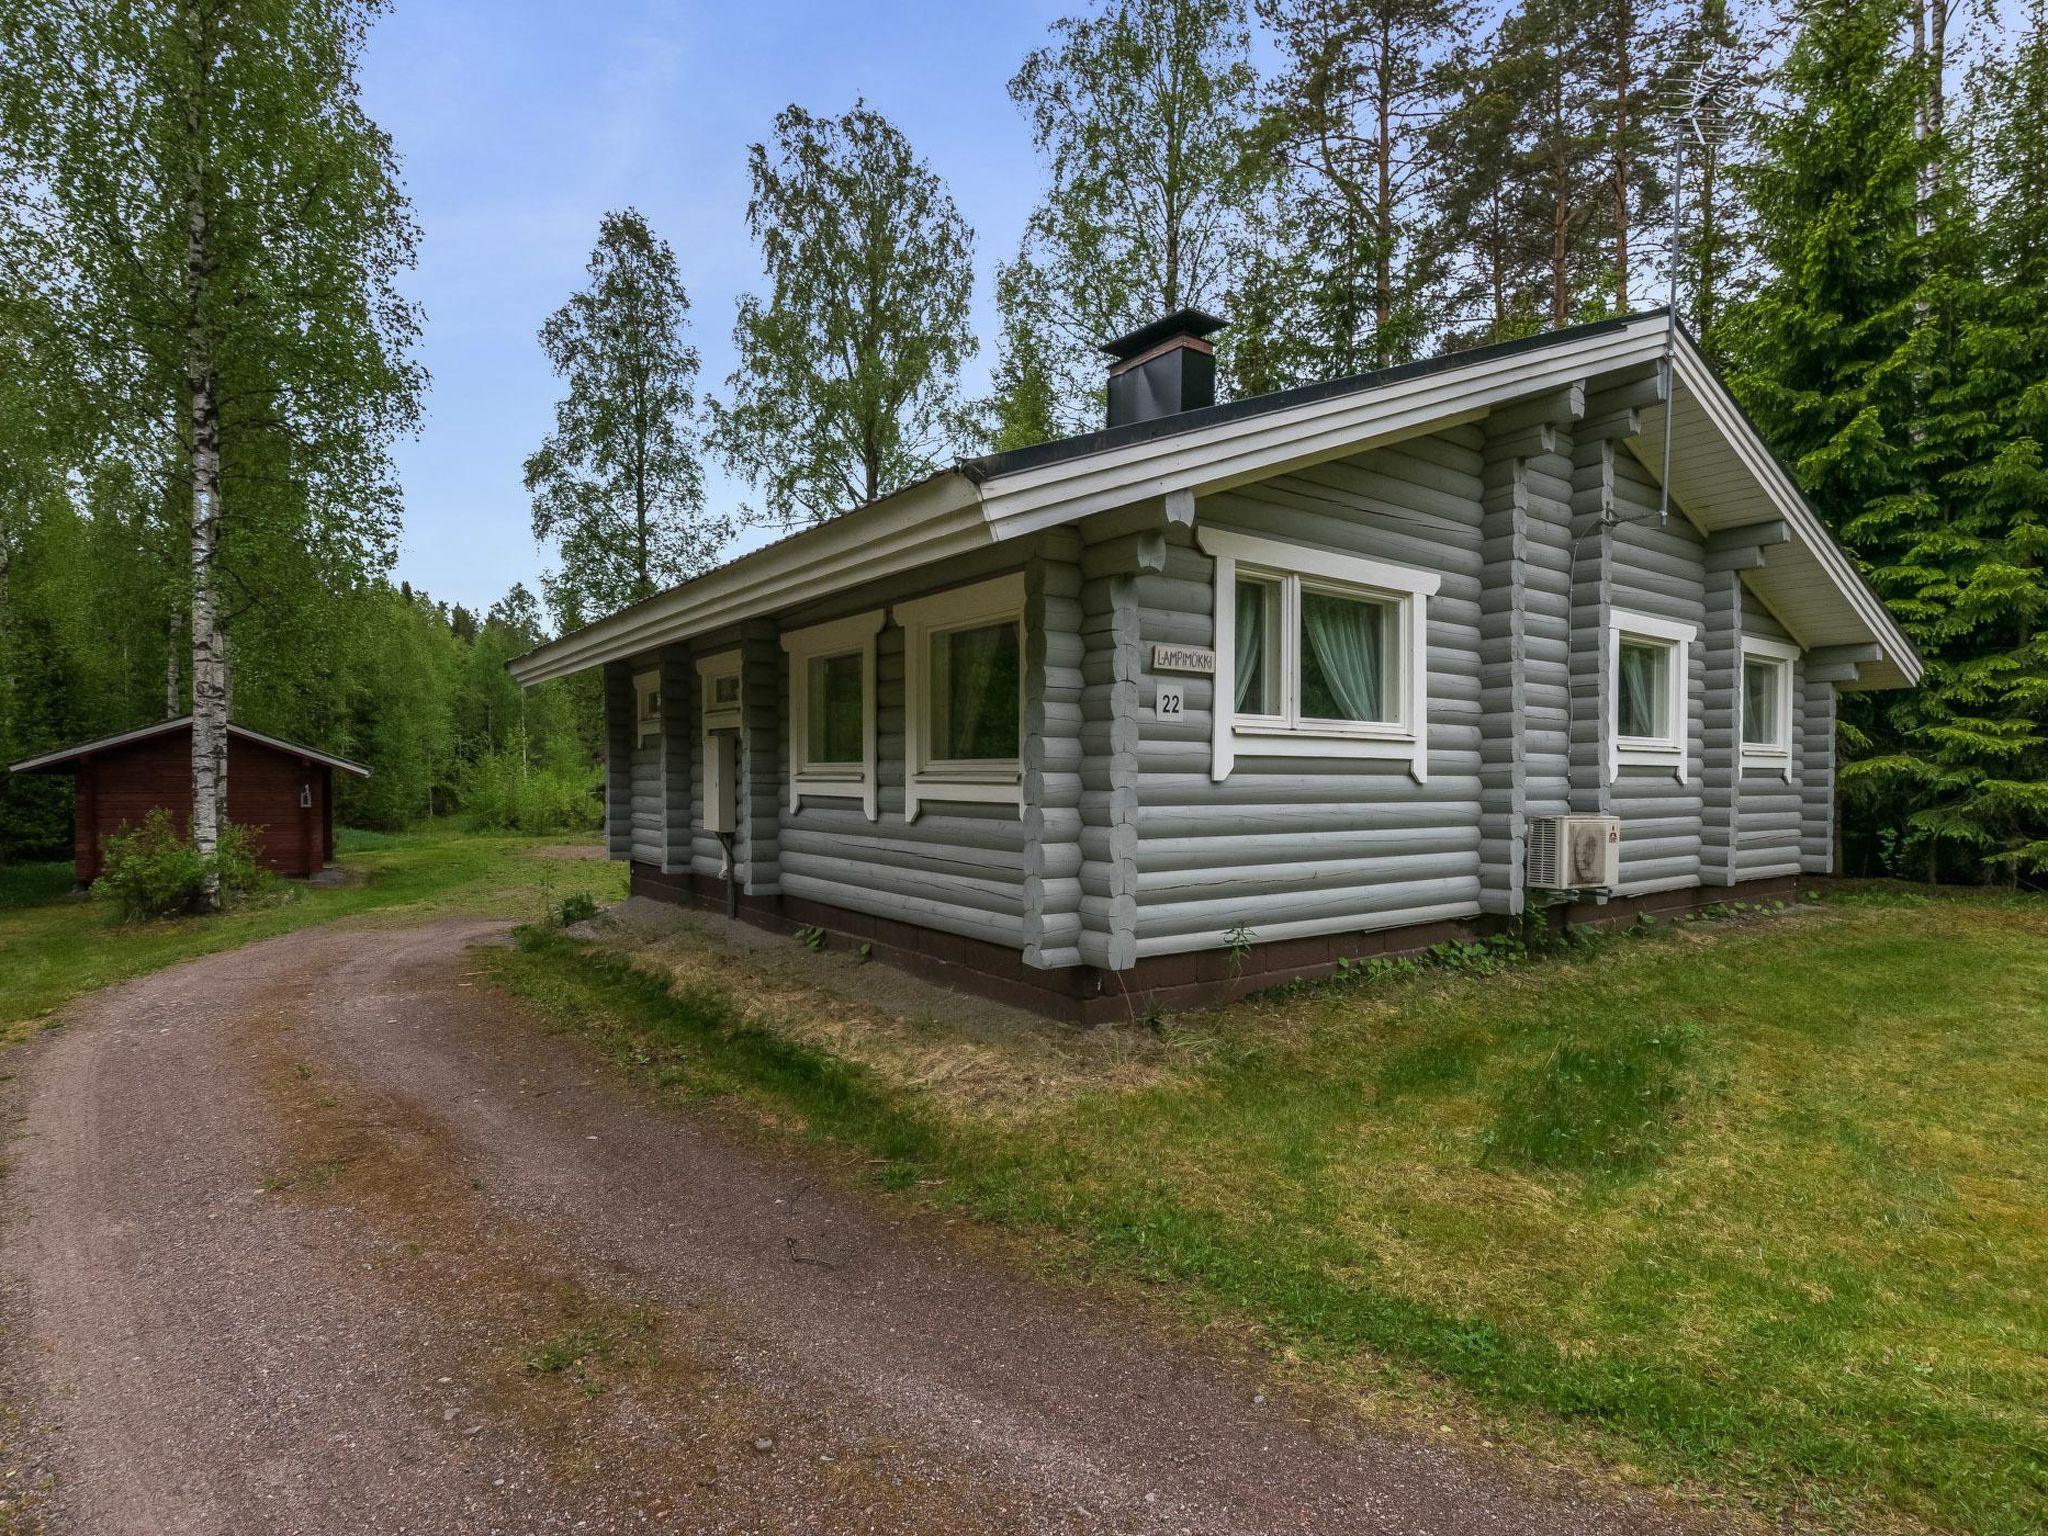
(1405, 738)
(719, 717)
(646, 707)
(1762, 755)
(852, 636)
(1672, 748)
(988, 781)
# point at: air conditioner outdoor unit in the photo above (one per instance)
(1574, 853)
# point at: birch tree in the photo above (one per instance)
(617, 486)
(1143, 113)
(848, 381)
(221, 228)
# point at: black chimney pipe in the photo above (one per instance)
(1163, 368)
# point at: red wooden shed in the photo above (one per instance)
(282, 792)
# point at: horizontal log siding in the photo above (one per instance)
(1288, 847)
(1769, 811)
(764, 771)
(679, 803)
(1111, 671)
(1658, 570)
(1053, 683)
(958, 868)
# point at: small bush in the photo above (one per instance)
(153, 872)
(578, 908)
(501, 793)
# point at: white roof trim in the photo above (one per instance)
(178, 722)
(951, 514)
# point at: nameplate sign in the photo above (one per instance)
(1184, 658)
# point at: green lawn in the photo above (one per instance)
(1760, 1207)
(53, 948)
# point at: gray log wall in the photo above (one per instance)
(1540, 525)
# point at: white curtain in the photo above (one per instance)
(1251, 644)
(1348, 641)
(1641, 672)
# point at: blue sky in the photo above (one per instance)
(519, 122)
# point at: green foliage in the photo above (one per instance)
(579, 907)
(1142, 114)
(616, 485)
(503, 793)
(848, 376)
(154, 872)
(1892, 356)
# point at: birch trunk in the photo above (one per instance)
(174, 673)
(209, 653)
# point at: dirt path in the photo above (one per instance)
(322, 1236)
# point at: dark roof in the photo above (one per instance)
(1182, 322)
(1059, 450)
(57, 762)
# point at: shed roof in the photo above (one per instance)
(57, 762)
(1723, 477)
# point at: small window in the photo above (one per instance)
(1319, 653)
(836, 705)
(1767, 704)
(1642, 695)
(964, 694)
(832, 711)
(1762, 682)
(1647, 677)
(719, 678)
(647, 707)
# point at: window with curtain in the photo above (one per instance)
(1642, 700)
(1762, 716)
(1346, 654)
(975, 679)
(834, 698)
(1258, 649)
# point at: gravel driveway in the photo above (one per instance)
(325, 1236)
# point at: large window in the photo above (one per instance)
(832, 711)
(1319, 653)
(1767, 704)
(964, 694)
(1647, 669)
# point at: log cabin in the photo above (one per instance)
(283, 793)
(1227, 693)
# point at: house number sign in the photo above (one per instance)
(1198, 659)
(1167, 703)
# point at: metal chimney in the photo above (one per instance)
(1163, 368)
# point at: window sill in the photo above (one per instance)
(1767, 760)
(834, 786)
(1342, 746)
(1637, 753)
(984, 787)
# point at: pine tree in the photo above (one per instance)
(1361, 83)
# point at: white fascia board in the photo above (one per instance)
(1236, 452)
(1807, 527)
(928, 522)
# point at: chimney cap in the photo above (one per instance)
(1193, 323)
